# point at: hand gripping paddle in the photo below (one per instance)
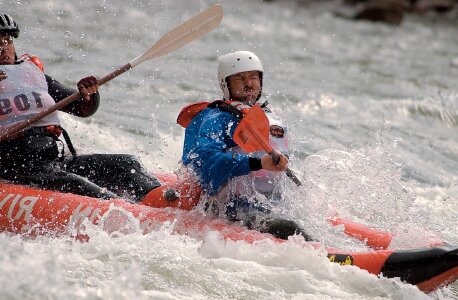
(252, 134)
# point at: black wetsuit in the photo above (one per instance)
(35, 158)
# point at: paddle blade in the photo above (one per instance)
(185, 33)
(252, 133)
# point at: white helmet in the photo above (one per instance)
(236, 62)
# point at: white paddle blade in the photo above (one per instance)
(185, 33)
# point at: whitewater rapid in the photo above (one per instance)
(372, 111)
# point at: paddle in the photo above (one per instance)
(181, 35)
(252, 134)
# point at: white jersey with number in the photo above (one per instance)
(263, 181)
(24, 94)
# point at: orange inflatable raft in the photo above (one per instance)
(30, 211)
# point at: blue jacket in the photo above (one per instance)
(207, 142)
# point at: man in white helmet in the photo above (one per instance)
(235, 181)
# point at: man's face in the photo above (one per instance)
(245, 86)
(6, 50)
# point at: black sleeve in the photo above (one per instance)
(79, 108)
(255, 163)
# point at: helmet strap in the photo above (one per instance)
(260, 81)
(228, 88)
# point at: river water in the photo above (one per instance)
(372, 112)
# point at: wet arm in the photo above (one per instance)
(210, 157)
(79, 107)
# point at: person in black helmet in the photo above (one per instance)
(33, 156)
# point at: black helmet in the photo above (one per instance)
(8, 26)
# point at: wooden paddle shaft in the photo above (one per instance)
(181, 35)
(73, 97)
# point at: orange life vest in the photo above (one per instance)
(190, 111)
(33, 59)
